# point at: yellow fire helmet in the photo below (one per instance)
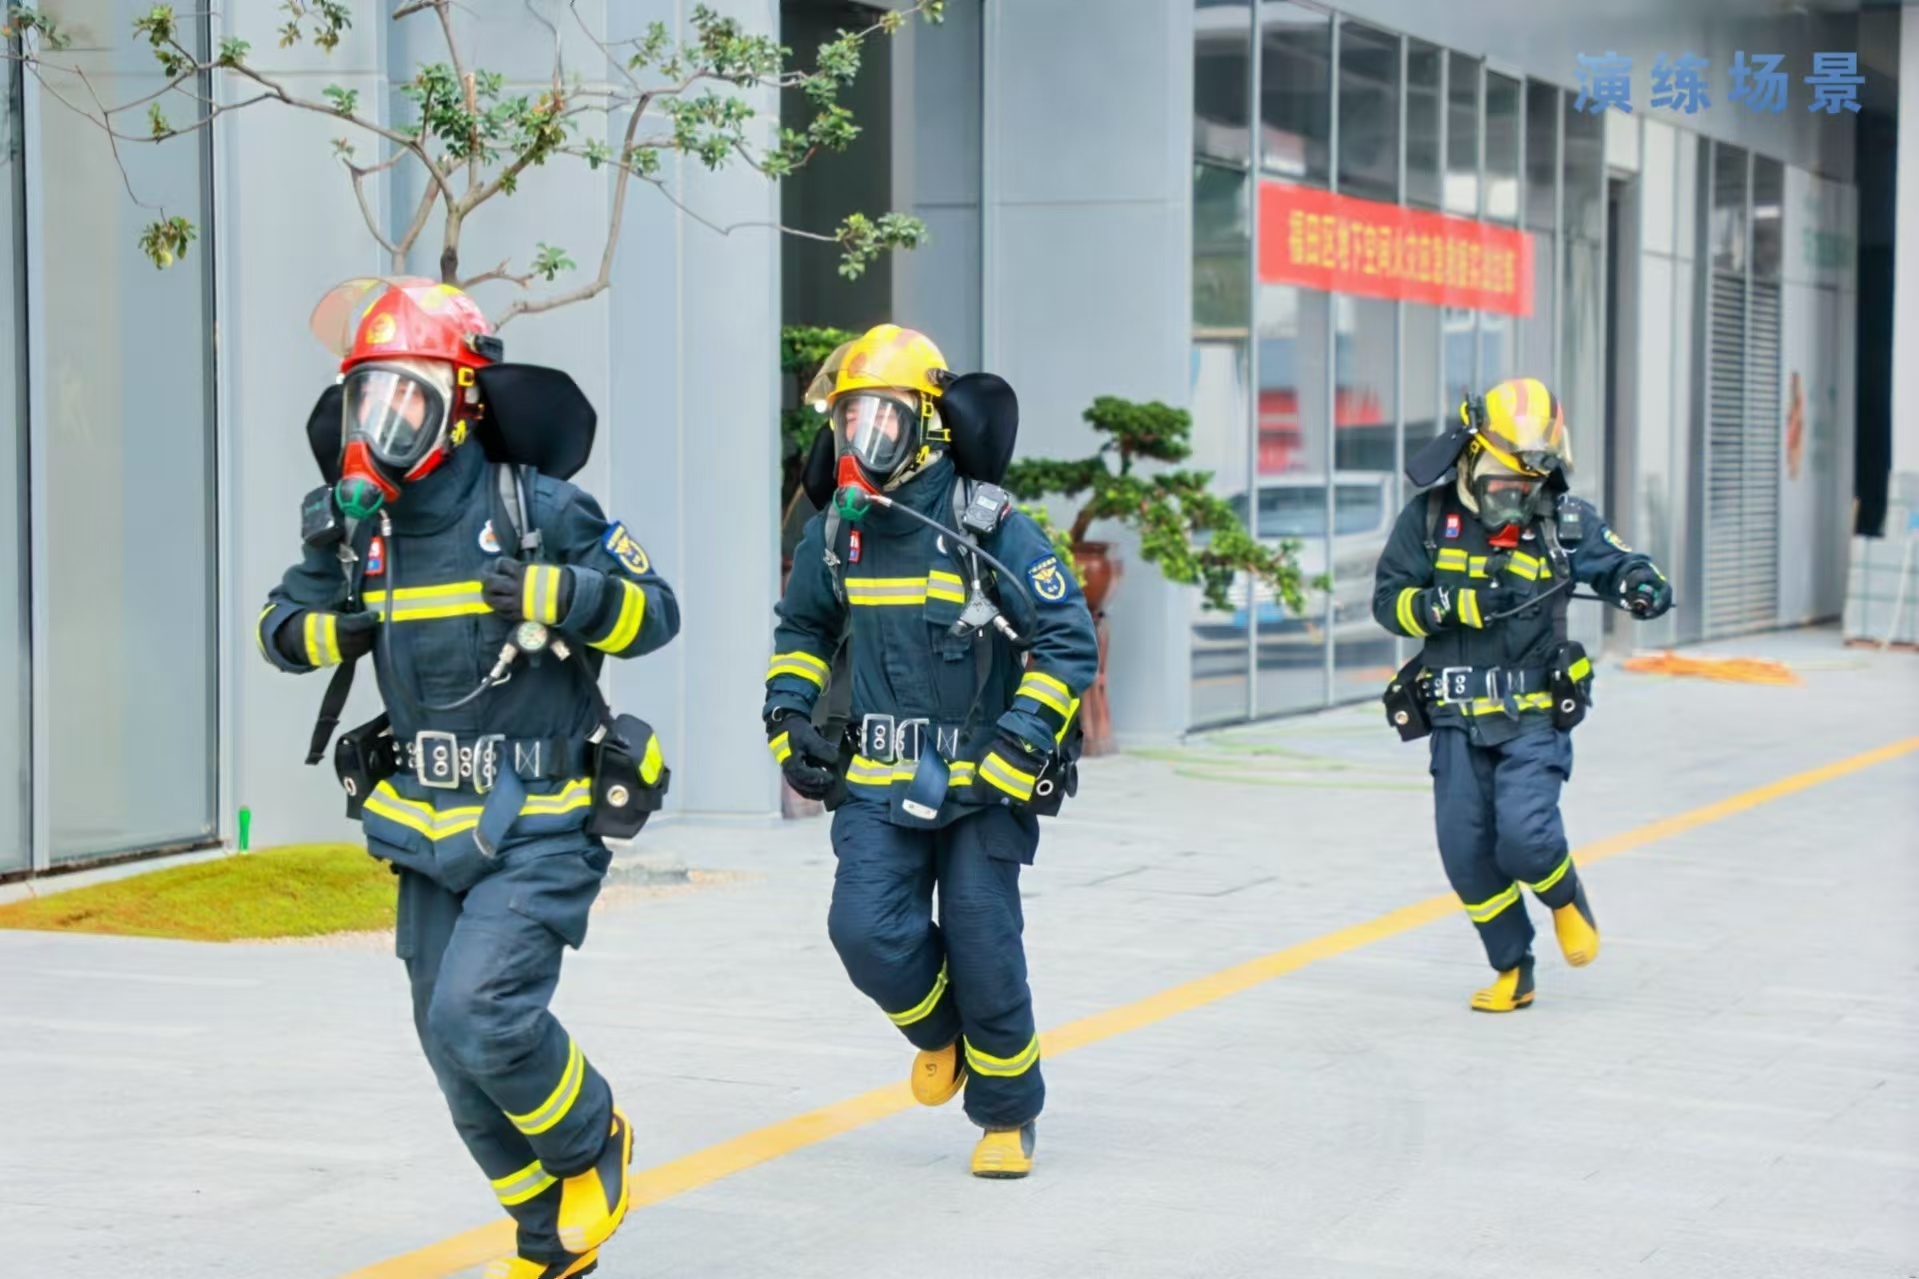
(1518, 439)
(879, 389)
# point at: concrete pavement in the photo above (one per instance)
(1732, 1090)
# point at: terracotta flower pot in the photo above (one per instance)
(1097, 570)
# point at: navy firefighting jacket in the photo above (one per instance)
(905, 588)
(446, 639)
(1463, 562)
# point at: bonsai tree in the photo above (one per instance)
(471, 142)
(1192, 536)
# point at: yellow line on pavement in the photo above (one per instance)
(703, 1167)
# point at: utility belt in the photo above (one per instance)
(892, 739)
(1416, 691)
(622, 759)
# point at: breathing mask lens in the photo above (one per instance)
(880, 432)
(394, 411)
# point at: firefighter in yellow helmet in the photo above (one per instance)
(955, 734)
(1481, 567)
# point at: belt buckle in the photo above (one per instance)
(909, 739)
(436, 759)
(1455, 684)
(877, 739)
(487, 751)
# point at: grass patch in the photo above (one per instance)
(302, 890)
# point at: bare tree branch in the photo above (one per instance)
(499, 272)
(428, 194)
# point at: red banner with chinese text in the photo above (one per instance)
(1345, 245)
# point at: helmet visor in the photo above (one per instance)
(881, 431)
(398, 413)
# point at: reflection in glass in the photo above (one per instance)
(1729, 212)
(1294, 425)
(1502, 148)
(1496, 353)
(1368, 112)
(1462, 135)
(1580, 356)
(1221, 656)
(1222, 249)
(1222, 84)
(16, 840)
(1768, 204)
(1425, 409)
(1365, 412)
(131, 757)
(1458, 359)
(1296, 93)
(1585, 176)
(1542, 155)
(1424, 163)
(1534, 337)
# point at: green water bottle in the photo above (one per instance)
(246, 828)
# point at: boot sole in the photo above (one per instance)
(1519, 1006)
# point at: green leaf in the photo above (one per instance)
(47, 33)
(165, 242)
(343, 100)
(550, 262)
(233, 51)
(157, 121)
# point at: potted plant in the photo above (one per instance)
(1188, 533)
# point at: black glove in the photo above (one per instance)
(1007, 770)
(1439, 608)
(527, 592)
(1644, 592)
(809, 761)
(330, 639)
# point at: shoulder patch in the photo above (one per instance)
(1452, 524)
(1612, 540)
(1051, 581)
(621, 546)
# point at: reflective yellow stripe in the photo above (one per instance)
(554, 1108)
(444, 823)
(259, 629)
(574, 795)
(1060, 737)
(1003, 776)
(1526, 566)
(871, 772)
(1491, 907)
(1453, 559)
(1476, 566)
(1002, 1067)
(876, 592)
(781, 747)
(632, 614)
(527, 1183)
(330, 638)
(653, 762)
(1404, 611)
(1546, 884)
(427, 603)
(1580, 669)
(945, 586)
(1047, 691)
(1469, 607)
(801, 663)
(1488, 706)
(310, 632)
(921, 1010)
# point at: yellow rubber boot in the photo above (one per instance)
(593, 1203)
(1511, 991)
(1578, 935)
(523, 1268)
(938, 1075)
(1005, 1153)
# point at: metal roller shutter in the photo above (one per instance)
(1742, 459)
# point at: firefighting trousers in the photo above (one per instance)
(962, 977)
(1497, 812)
(483, 964)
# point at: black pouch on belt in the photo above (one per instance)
(1571, 683)
(364, 757)
(1406, 705)
(630, 778)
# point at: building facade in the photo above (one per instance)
(1143, 198)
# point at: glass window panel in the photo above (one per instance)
(1534, 335)
(1768, 203)
(1496, 349)
(16, 649)
(1294, 426)
(1458, 359)
(1502, 148)
(1368, 112)
(1222, 658)
(1462, 135)
(1365, 413)
(1579, 368)
(1542, 155)
(131, 760)
(1420, 378)
(1729, 211)
(1585, 171)
(1424, 164)
(1296, 93)
(1222, 250)
(1222, 81)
